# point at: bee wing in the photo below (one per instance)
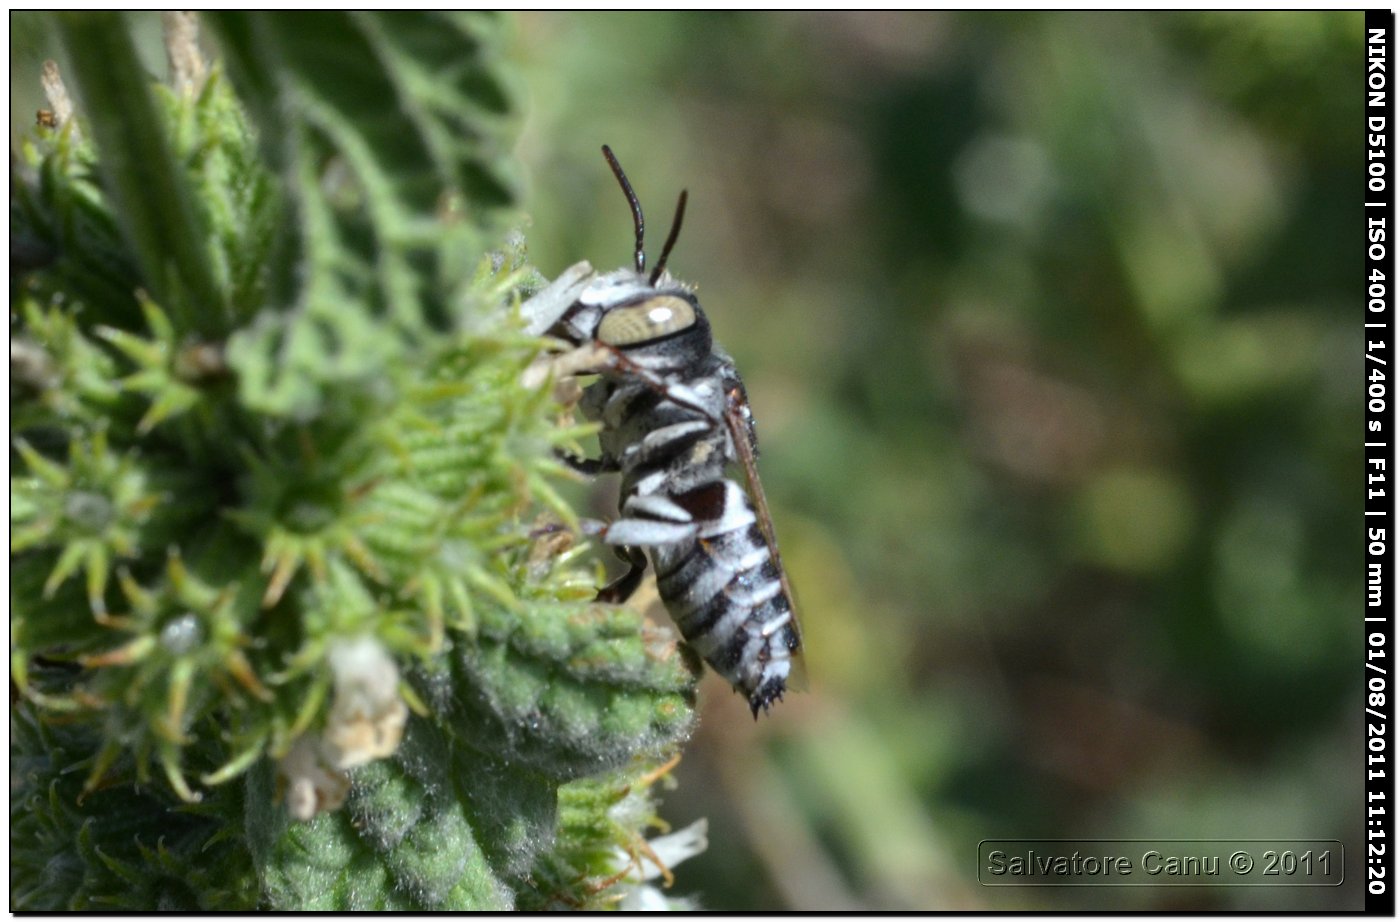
(736, 418)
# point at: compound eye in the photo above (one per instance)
(651, 319)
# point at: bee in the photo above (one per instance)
(675, 416)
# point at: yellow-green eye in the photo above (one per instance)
(651, 319)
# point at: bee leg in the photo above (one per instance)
(590, 358)
(648, 521)
(641, 532)
(598, 358)
(621, 589)
(592, 467)
(548, 528)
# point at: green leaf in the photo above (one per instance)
(147, 184)
(58, 211)
(121, 847)
(571, 690)
(404, 840)
(398, 183)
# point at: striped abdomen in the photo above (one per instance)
(726, 595)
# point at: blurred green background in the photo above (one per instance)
(1051, 326)
(1050, 322)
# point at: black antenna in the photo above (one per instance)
(637, 220)
(670, 239)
